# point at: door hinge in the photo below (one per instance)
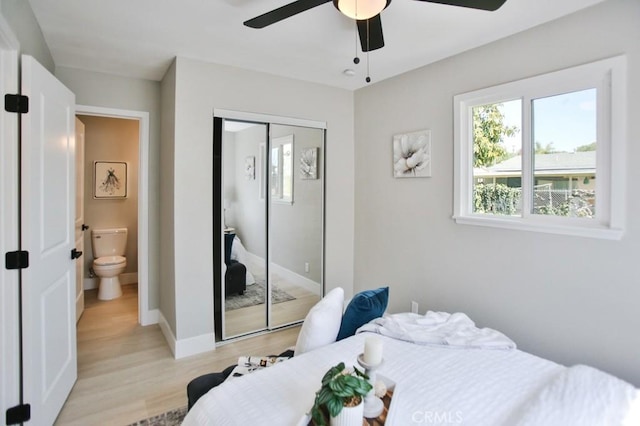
(16, 259)
(18, 414)
(16, 103)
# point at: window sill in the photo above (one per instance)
(518, 224)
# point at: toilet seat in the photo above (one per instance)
(109, 260)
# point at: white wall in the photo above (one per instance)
(166, 235)
(573, 300)
(24, 25)
(296, 229)
(201, 87)
(246, 212)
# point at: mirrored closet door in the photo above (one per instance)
(295, 221)
(268, 224)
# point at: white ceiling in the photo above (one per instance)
(139, 38)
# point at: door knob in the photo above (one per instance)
(75, 254)
(85, 227)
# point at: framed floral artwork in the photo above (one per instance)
(110, 179)
(250, 167)
(309, 163)
(412, 154)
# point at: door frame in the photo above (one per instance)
(145, 315)
(10, 392)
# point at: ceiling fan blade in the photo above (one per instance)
(375, 38)
(283, 12)
(490, 5)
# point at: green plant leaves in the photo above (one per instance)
(334, 406)
(339, 387)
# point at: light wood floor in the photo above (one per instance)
(245, 320)
(126, 372)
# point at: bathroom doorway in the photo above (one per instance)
(121, 137)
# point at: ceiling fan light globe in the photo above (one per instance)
(361, 9)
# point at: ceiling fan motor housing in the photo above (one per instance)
(361, 9)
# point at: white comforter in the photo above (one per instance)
(434, 385)
(438, 328)
(469, 387)
(582, 395)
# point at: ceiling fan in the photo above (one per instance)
(366, 13)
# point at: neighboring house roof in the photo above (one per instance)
(562, 163)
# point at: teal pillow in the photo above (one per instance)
(364, 307)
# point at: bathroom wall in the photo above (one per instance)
(111, 139)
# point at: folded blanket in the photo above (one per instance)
(438, 328)
(249, 364)
(583, 396)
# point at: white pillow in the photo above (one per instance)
(322, 323)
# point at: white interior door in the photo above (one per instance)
(48, 216)
(79, 225)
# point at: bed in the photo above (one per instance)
(464, 379)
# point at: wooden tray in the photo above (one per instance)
(378, 421)
(382, 418)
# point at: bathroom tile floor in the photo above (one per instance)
(126, 372)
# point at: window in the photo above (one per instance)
(282, 169)
(545, 153)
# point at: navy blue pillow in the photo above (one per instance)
(364, 307)
(228, 242)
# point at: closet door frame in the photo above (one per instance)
(220, 116)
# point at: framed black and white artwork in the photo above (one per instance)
(110, 179)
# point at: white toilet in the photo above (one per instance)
(108, 250)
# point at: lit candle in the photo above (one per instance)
(372, 350)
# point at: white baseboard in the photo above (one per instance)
(255, 259)
(195, 345)
(125, 278)
(297, 279)
(90, 283)
(168, 334)
(150, 317)
(186, 347)
(129, 278)
(289, 275)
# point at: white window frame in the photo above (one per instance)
(277, 192)
(608, 76)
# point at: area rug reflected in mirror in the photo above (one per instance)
(170, 418)
(255, 295)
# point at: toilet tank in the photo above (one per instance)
(109, 242)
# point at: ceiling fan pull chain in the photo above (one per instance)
(368, 79)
